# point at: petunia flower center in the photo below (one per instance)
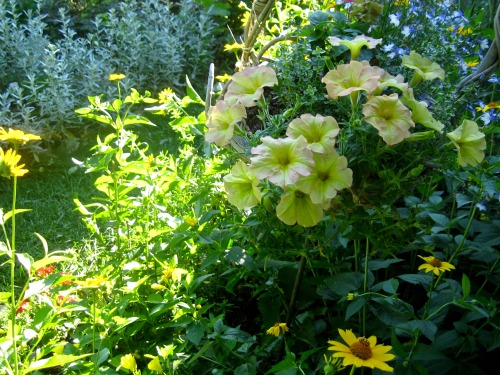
(435, 262)
(362, 349)
(283, 160)
(299, 194)
(386, 114)
(323, 176)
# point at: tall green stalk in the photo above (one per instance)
(13, 309)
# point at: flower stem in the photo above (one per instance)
(365, 285)
(296, 286)
(12, 276)
(430, 296)
(353, 368)
(93, 330)
(459, 247)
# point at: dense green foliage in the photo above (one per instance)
(191, 265)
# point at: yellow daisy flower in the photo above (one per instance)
(275, 330)
(116, 77)
(17, 136)
(433, 264)
(8, 164)
(94, 282)
(362, 352)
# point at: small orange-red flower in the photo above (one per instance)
(22, 306)
(44, 271)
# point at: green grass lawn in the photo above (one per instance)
(49, 194)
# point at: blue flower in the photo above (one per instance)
(484, 43)
(488, 117)
(494, 79)
(388, 47)
(482, 206)
(406, 31)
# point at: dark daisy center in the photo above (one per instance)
(435, 262)
(361, 349)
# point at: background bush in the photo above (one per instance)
(50, 62)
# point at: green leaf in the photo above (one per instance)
(308, 353)
(8, 215)
(49, 260)
(426, 327)
(26, 260)
(354, 307)
(99, 118)
(245, 369)
(136, 120)
(286, 366)
(465, 285)
(375, 265)
(398, 348)
(102, 356)
(56, 360)
(191, 92)
(344, 283)
(4, 249)
(219, 9)
(416, 279)
(4, 297)
(195, 332)
(462, 200)
(236, 334)
(440, 219)
(390, 286)
(39, 286)
(239, 256)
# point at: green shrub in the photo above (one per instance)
(43, 78)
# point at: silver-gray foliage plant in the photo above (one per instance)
(42, 81)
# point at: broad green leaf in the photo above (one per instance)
(245, 369)
(38, 286)
(353, 307)
(285, 367)
(99, 118)
(390, 286)
(54, 361)
(239, 256)
(440, 219)
(343, 283)
(462, 200)
(29, 334)
(136, 120)
(375, 265)
(195, 332)
(423, 280)
(465, 285)
(426, 327)
(4, 297)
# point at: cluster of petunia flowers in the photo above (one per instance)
(305, 163)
